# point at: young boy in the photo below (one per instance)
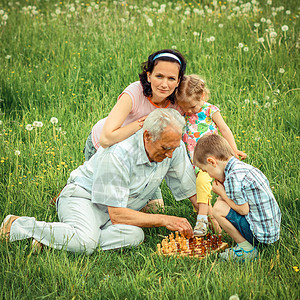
(246, 208)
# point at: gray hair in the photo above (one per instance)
(160, 118)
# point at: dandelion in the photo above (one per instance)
(5, 17)
(8, 57)
(29, 127)
(234, 297)
(35, 123)
(150, 22)
(195, 33)
(261, 40)
(256, 25)
(54, 120)
(173, 47)
(246, 49)
(288, 12)
(273, 34)
(1, 12)
(281, 70)
(241, 45)
(247, 101)
(267, 97)
(268, 21)
(221, 25)
(17, 152)
(263, 20)
(57, 11)
(267, 105)
(296, 269)
(284, 28)
(212, 39)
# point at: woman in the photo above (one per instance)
(161, 75)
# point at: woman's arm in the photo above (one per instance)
(112, 131)
(227, 134)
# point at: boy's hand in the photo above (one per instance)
(218, 188)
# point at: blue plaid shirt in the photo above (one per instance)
(245, 183)
(123, 176)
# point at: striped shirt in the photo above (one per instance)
(245, 183)
(123, 176)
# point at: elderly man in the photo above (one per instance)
(101, 202)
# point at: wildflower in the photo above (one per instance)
(241, 45)
(37, 124)
(246, 49)
(256, 25)
(263, 20)
(155, 4)
(8, 56)
(174, 47)
(17, 152)
(267, 105)
(247, 101)
(54, 120)
(261, 40)
(288, 12)
(195, 33)
(57, 11)
(273, 34)
(1, 12)
(284, 28)
(212, 38)
(267, 97)
(268, 21)
(150, 22)
(221, 25)
(296, 269)
(29, 127)
(5, 17)
(281, 70)
(234, 297)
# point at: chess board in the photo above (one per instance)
(198, 247)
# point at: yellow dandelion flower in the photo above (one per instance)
(296, 269)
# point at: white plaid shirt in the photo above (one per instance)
(245, 183)
(123, 176)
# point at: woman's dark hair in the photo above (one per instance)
(149, 65)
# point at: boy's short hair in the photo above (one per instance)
(211, 145)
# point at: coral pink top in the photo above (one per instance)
(141, 106)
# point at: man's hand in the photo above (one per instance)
(218, 188)
(179, 224)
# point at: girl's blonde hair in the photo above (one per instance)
(192, 87)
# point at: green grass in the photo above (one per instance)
(72, 66)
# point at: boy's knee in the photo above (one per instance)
(220, 208)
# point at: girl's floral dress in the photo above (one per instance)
(197, 125)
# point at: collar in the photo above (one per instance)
(232, 161)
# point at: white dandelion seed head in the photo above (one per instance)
(17, 152)
(241, 45)
(263, 20)
(247, 101)
(1, 12)
(246, 49)
(58, 11)
(195, 33)
(29, 127)
(5, 17)
(8, 56)
(35, 123)
(273, 34)
(288, 12)
(256, 25)
(269, 21)
(267, 105)
(54, 120)
(212, 38)
(285, 28)
(173, 47)
(63, 132)
(269, 2)
(267, 97)
(234, 297)
(281, 70)
(261, 40)
(155, 4)
(221, 25)
(274, 101)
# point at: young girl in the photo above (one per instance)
(160, 77)
(202, 118)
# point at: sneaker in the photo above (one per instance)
(238, 254)
(200, 228)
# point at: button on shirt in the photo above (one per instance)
(245, 183)
(123, 176)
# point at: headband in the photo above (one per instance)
(167, 55)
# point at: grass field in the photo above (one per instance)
(70, 60)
